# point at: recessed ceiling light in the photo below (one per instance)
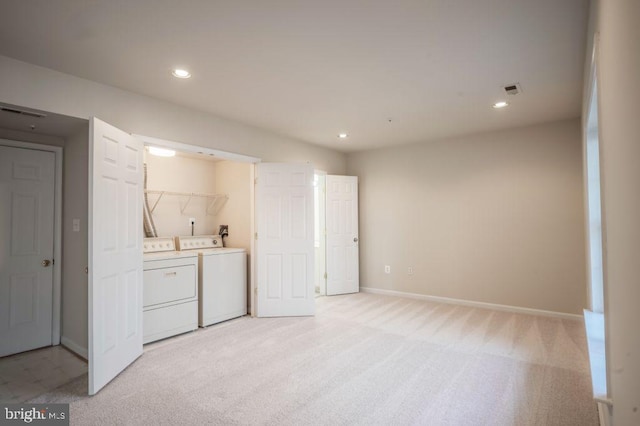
(180, 73)
(343, 135)
(161, 152)
(500, 104)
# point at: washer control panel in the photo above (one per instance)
(199, 242)
(154, 245)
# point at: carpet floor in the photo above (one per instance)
(364, 359)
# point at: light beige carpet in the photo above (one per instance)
(364, 359)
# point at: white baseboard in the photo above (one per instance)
(471, 303)
(74, 347)
(604, 413)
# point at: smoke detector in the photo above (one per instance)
(513, 89)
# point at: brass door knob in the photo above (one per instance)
(46, 263)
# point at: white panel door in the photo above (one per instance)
(115, 252)
(284, 223)
(27, 179)
(343, 274)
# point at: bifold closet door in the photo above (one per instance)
(284, 245)
(115, 252)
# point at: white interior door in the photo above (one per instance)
(343, 274)
(284, 224)
(115, 252)
(27, 179)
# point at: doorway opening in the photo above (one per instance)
(594, 206)
(45, 298)
(336, 234)
(320, 232)
(202, 191)
(595, 318)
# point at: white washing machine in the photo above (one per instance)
(170, 290)
(222, 278)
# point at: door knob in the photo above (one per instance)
(355, 239)
(46, 263)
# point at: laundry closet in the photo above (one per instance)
(198, 228)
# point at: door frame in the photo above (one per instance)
(322, 210)
(229, 156)
(57, 229)
(356, 236)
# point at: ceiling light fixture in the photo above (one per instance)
(161, 152)
(343, 135)
(500, 104)
(180, 73)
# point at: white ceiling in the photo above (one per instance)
(313, 69)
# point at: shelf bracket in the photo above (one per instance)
(182, 209)
(213, 203)
(157, 201)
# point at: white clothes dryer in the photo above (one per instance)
(222, 278)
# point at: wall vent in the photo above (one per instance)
(513, 89)
(22, 112)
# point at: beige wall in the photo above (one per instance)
(234, 179)
(31, 86)
(619, 124)
(494, 218)
(75, 244)
(184, 174)
(181, 174)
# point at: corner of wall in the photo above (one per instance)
(75, 251)
(74, 347)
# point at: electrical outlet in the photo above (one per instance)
(410, 270)
(192, 221)
(387, 269)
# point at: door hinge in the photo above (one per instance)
(255, 181)
(325, 231)
(325, 275)
(53, 261)
(255, 290)
(256, 235)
